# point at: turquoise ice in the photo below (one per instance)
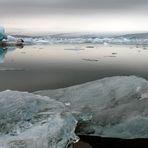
(2, 33)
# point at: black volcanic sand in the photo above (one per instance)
(99, 142)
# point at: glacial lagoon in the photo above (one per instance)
(44, 66)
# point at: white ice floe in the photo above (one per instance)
(11, 38)
(110, 107)
(130, 39)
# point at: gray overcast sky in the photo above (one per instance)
(104, 15)
(68, 6)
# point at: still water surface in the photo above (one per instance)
(41, 67)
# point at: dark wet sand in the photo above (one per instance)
(99, 142)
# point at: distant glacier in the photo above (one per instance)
(129, 39)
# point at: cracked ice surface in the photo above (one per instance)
(33, 121)
(110, 107)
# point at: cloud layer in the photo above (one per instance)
(78, 15)
(23, 7)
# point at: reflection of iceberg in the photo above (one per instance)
(3, 52)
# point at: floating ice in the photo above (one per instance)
(91, 60)
(74, 49)
(11, 39)
(135, 39)
(80, 40)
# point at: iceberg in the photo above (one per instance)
(64, 39)
(8, 40)
(34, 121)
(2, 33)
(110, 107)
(11, 39)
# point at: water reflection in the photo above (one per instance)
(74, 49)
(91, 60)
(5, 50)
(51, 66)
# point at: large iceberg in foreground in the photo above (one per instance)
(110, 107)
(33, 121)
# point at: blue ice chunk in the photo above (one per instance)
(2, 33)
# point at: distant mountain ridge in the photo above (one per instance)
(136, 35)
